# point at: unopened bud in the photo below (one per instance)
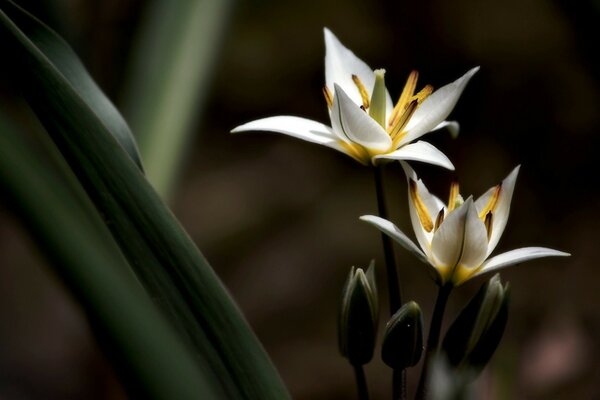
(475, 334)
(359, 316)
(403, 338)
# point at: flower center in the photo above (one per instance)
(374, 104)
(407, 104)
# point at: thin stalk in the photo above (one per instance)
(434, 337)
(361, 382)
(388, 249)
(399, 384)
(395, 297)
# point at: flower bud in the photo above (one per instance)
(359, 316)
(475, 334)
(403, 338)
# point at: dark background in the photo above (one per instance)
(277, 217)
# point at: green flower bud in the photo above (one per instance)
(475, 334)
(403, 338)
(359, 316)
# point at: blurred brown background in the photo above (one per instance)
(277, 217)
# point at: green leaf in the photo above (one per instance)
(168, 78)
(69, 71)
(150, 358)
(158, 249)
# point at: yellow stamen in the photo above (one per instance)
(362, 90)
(328, 97)
(488, 224)
(396, 132)
(423, 93)
(405, 96)
(492, 203)
(454, 191)
(439, 219)
(422, 211)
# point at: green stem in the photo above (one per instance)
(388, 250)
(395, 297)
(434, 337)
(399, 384)
(361, 382)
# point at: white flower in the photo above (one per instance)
(456, 239)
(365, 124)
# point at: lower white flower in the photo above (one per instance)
(456, 239)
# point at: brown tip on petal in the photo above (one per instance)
(488, 224)
(362, 90)
(328, 97)
(439, 219)
(492, 202)
(422, 211)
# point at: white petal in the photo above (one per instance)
(419, 151)
(500, 214)
(356, 125)
(301, 128)
(476, 242)
(395, 233)
(341, 64)
(447, 242)
(431, 202)
(436, 108)
(392, 231)
(452, 126)
(517, 256)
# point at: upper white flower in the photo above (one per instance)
(456, 239)
(365, 124)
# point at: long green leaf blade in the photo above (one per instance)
(149, 235)
(69, 68)
(151, 360)
(168, 78)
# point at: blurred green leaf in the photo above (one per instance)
(168, 78)
(70, 72)
(150, 358)
(158, 249)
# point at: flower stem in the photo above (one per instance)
(434, 337)
(361, 382)
(399, 384)
(388, 250)
(395, 297)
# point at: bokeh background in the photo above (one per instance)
(278, 218)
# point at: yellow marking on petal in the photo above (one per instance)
(405, 97)
(488, 224)
(357, 152)
(362, 90)
(462, 274)
(454, 192)
(438, 220)
(396, 133)
(328, 97)
(492, 202)
(422, 211)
